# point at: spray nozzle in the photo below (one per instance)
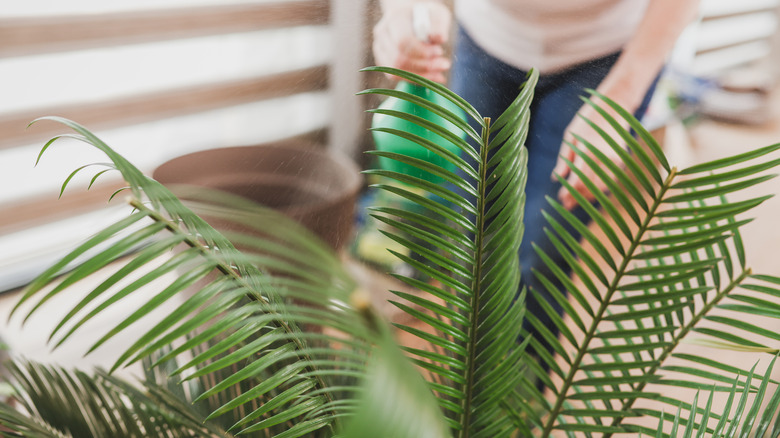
(421, 22)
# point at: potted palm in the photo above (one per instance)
(233, 359)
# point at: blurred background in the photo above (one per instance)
(157, 79)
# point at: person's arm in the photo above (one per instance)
(395, 44)
(629, 79)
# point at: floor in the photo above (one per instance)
(685, 145)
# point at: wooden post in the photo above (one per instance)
(350, 46)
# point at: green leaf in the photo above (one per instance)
(684, 248)
(713, 212)
(583, 230)
(51, 141)
(165, 268)
(73, 174)
(770, 410)
(663, 297)
(751, 416)
(652, 270)
(428, 105)
(176, 287)
(431, 85)
(101, 260)
(667, 281)
(601, 198)
(689, 236)
(596, 216)
(429, 204)
(724, 177)
(729, 161)
(433, 127)
(583, 427)
(453, 158)
(624, 333)
(728, 337)
(441, 229)
(746, 326)
(612, 185)
(427, 186)
(637, 127)
(648, 313)
(49, 274)
(635, 169)
(143, 257)
(717, 191)
(626, 185)
(428, 167)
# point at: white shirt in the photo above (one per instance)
(549, 35)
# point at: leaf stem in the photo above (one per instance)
(679, 337)
(477, 276)
(226, 269)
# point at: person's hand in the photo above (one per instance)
(586, 132)
(396, 45)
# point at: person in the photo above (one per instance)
(617, 47)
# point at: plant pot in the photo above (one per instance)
(317, 188)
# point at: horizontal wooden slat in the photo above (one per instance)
(716, 61)
(24, 36)
(731, 31)
(710, 9)
(734, 44)
(164, 104)
(47, 208)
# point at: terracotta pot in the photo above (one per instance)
(318, 188)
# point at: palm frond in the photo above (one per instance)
(747, 412)
(262, 322)
(396, 402)
(648, 282)
(472, 267)
(61, 403)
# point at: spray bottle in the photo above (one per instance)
(370, 244)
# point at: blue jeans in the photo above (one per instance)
(490, 85)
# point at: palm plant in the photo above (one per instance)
(277, 340)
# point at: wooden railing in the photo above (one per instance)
(25, 36)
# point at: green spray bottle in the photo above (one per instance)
(421, 23)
